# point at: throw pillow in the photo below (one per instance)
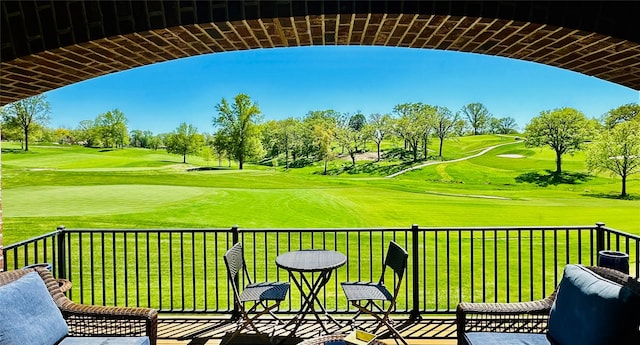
(591, 310)
(28, 314)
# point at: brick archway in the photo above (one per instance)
(45, 45)
(50, 44)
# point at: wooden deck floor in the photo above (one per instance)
(199, 330)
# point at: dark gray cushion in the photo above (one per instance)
(591, 310)
(105, 341)
(496, 338)
(28, 314)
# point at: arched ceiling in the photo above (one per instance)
(49, 44)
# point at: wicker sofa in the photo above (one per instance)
(591, 305)
(34, 310)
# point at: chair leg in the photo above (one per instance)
(248, 321)
(394, 332)
(245, 322)
(268, 309)
(381, 321)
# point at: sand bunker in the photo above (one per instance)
(510, 155)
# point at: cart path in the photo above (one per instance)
(484, 151)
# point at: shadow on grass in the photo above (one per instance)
(613, 196)
(207, 168)
(15, 151)
(371, 168)
(553, 178)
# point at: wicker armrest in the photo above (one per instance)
(523, 316)
(497, 309)
(503, 317)
(91, 320)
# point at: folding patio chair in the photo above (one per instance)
(267, 295)
(363, 295)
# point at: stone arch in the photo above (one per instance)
(50, 44)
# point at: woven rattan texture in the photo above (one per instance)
(90, 320)
(529, 317)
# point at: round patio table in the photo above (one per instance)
(301, 265)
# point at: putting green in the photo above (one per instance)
(52, 201)
(136, 188)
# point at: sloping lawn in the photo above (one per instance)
(136, 188)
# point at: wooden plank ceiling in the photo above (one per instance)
(49, 44)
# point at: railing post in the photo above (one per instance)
(415, 312)
(235, 235)
(235, 238)
(61, 264)
(599, 237)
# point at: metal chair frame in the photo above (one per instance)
(259, 293)
(396, 259)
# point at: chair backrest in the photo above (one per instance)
(616, 276)
(234, 260)
(49, 281)
(396, 259)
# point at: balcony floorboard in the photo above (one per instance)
(207, 330)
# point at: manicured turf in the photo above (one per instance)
(135, 188)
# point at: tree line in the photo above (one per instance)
(611, 145)
(241, 135)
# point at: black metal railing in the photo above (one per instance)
(182, 270)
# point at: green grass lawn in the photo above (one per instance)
(136, 188)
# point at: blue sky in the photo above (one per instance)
(289, 82)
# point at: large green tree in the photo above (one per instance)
(428, 121)
(478, 116)
(26, 115)
(445, 122)
(414, 122)
(221, 146)
(313, 140)
(625, 112)
(140, 138)
(112, 127)
(505, 125)
(357, 123)
(324, 134)
(239, 124)
(185, 140)
(289, 136)
(378, 128)
(617, 151)
(281, 136)
(269, 131)
(565, 130)
(350, 136)
(87, 133)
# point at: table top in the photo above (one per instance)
(311, 260)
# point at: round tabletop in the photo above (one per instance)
(311, 260)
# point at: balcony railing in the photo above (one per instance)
(182, 270)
